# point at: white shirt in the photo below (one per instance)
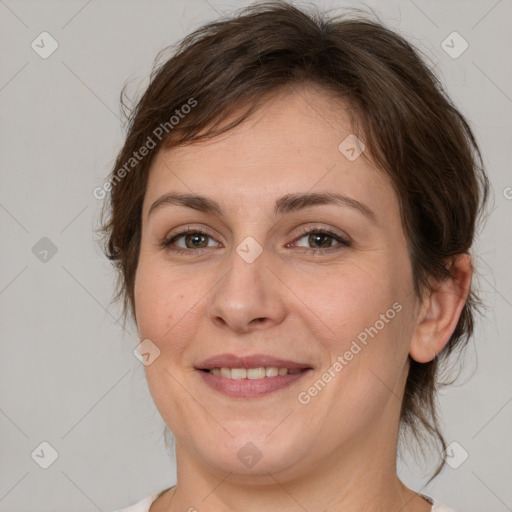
(145, 504)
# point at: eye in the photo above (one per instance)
(320, 240)
(192, 241)
(188, 241)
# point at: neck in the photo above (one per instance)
(361, 477)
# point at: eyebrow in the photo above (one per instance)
(286, 204)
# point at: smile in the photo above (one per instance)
(252, 373)
(251, 382)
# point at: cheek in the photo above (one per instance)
(159, 300)
(365, 319)
(165, 315)
(353, 299)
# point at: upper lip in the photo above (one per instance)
(249, 361)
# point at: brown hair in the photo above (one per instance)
(410, 127)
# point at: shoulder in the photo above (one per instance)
(143, 505)
(439, 507)
(436, 505)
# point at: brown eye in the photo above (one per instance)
(189, 241)
(321, 239)
(196, 240)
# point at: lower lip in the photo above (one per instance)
(250, 387)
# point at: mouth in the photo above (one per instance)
(256, 373)
(250, 376)
(248, 362)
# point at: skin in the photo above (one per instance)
(337, 452)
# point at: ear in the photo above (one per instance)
(440, 311)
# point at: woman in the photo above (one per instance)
(291, 215)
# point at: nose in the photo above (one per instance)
(248, 296)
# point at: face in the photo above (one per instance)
(294, 251)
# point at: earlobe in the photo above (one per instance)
(440, 311)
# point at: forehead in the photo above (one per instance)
(291, 144)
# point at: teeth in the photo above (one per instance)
(238, 373)
(255, 373)
(252, 373)
(272, 371)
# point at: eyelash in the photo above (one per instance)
(344, 242)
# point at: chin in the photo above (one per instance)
(254, 455)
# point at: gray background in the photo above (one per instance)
(67, 372)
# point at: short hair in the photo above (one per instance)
(410, 127)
